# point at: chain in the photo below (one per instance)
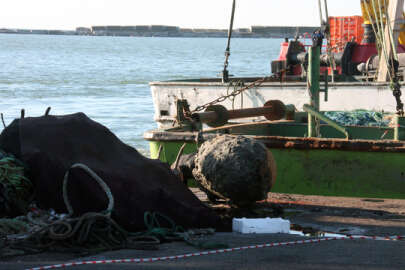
(396, 91)
(233, 94)
(235, 85)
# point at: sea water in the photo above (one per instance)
(107, 77)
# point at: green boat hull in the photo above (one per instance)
(314, 156)
(328, 172)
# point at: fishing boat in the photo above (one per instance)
(348, 63)
(287, 112)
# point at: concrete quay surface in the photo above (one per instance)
(356, 216)
(337, 254)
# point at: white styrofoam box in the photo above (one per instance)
(261, 225)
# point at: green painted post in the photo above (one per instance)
(399, 130)
(314, 88)
(324, 118)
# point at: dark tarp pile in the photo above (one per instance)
(50, 145)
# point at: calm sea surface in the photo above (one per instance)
(107, 77)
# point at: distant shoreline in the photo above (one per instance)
(172, 31)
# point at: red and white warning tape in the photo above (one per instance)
(291, 243)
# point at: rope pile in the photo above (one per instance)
(90, 233)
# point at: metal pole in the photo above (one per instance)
(219, 113)
(399, 130)
(313, 80)
(225, 73)
(326, 9)
(329, 50)
(250, 112)
(231, 26)
(320, 11)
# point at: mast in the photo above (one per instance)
(325, 28)
(225, 73)
(392, 29)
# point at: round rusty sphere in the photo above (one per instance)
(278, 110)
(222, 115)
(235, 168)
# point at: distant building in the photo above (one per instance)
(24, 31)
(40, 32)
(8, 31)
(99, 30)
(142, 28)
(186, 30)
(281, 31)
(138, 30)
(83, 31)
(174, 31)
(128, 28)
(243, 30)
(61, 32)
(202, 30)
(157, 28)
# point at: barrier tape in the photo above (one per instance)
(177, 257)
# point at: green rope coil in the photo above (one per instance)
(153, 222)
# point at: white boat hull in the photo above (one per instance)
(346, 96)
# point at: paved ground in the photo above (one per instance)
(312, 213)
(344, 215)
(340, 254)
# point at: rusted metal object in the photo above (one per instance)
(214, 116)
(237, 169)
(332, 144)
(293, 142)
(218, 115)
(272, 110)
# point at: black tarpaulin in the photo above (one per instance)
(50, 145)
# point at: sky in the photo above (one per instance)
(69, 14)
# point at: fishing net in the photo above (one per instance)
(131, 185)
(359, 118)
(50, 145)
(15, 189)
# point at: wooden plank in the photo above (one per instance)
(395, 9)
